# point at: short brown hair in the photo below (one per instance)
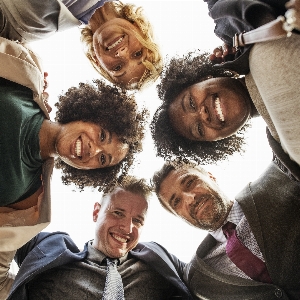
(133, 185)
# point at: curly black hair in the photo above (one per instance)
(112, 108)
(179, 74)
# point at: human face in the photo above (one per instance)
(119, 52)
(193, 195)
(85, 145)
(210, 110)
(119, 222)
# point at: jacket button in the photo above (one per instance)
(278, 293)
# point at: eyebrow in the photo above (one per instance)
(109, 137)
(192, 131)
(182, 182)
(109, 159)
(123, 210)
(109, 142)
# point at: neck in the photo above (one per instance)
(102, 15)
(47, 136)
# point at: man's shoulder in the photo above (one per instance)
(153, 246)
(55, 242)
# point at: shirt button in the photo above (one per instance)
(278, 293)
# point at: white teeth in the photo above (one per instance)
(119, 238)
(200, 206)
(78, 148)
(218, 109)
(115, 43)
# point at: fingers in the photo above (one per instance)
(45, 80)
(45, 100)
(219, 54)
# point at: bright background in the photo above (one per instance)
(179, 27)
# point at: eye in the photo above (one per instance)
(117, 68)
(102, 135)
(200, 130)
(192, 104)
(102, 159)
(189, 182)
(118, 213)
(138, 222)
(176, 202)
(138, 53)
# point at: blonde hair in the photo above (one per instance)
(133, 14)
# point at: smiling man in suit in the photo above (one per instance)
(52, 267)
(252, 250)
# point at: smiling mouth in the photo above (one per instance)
(78, 148)
(117, 42)
(198, 206)
(218, 109)
(119, 239)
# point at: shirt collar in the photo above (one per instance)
(98, 257)
(235, 215)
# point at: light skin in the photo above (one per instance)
(119, 222)
(193, 195)
(293, 12)
(211, 110)
(82, 145)
(116, 47)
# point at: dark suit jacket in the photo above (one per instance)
(271, 205)
(50, 250)
(236, 16)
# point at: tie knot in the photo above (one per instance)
(112, 261)
(228, 228)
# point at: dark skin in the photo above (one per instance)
(220, 53)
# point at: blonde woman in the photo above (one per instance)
(117, 38)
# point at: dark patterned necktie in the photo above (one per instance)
(113, 289)
(243, 258)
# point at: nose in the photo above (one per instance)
(188, 198)
(126, 225)
(95, 149)
(121, 52)
(204, 114)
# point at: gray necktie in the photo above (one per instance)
(113, 289)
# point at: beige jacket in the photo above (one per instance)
(19, 64)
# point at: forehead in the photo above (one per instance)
(127, 201)
(177, 177)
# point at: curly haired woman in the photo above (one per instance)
(118, 39)
(171, 129)
(206, 109)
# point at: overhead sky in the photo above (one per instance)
(179, 27)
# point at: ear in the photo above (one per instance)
(96, 210)
(212, 177)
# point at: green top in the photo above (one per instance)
(20, 159)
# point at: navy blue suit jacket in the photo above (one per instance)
(50, 250)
